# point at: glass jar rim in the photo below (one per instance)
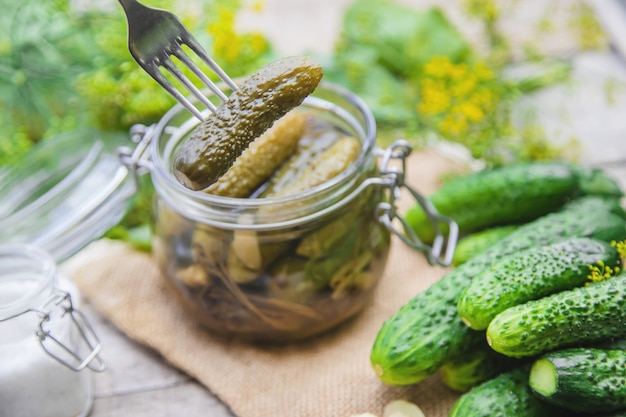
(168, 186)
(43, 266)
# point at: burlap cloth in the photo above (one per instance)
(327, 376)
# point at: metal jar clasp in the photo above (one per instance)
(442, 249)
(79, 347)
(137, 159)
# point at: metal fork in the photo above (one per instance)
(154, 36)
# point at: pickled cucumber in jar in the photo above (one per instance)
(263, 98)
(296, 281)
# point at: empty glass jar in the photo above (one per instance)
(47, 348)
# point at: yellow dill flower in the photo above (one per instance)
(456, 98)
(238, 53)
(471, 111)
(600, 272)
(458, 72)
(437, 67)
(454, 124)
(483, 98)
(258, 43)
(463, 86)
(224, 20)
(227, 44)
(435, 99)
(483, 72)
(621, 248)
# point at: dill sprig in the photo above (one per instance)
(600, 271)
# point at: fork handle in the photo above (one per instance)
(133, 7)
(128, 3)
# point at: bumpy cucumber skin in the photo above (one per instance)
(587, 379)
(333, 161)
(506, 395)
(427, 331)
(577, 316)
(421, 336)
(595, 181)
(597, 203)
(262, 99)
(262, 158)
(529, 275)
(509, 194)
(475, 364)
(464, 372)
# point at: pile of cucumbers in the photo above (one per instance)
(518, 325)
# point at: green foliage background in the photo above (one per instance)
(64, 69)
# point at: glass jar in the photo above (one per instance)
(279, 268)
(46, 345)
(67, 192)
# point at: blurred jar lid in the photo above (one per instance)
(68, 191)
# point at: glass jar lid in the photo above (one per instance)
(67, 192)
(32, 301)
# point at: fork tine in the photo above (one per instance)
(191, 42)
(180, 54)
(154, 37)
(177, 73)
(154, 71)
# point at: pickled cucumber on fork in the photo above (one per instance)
(263, 98)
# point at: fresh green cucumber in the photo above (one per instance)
(263, 98)
(427, 331)
(592, 203)
(594, 181)
(478, 363)
(508, 194)
(529, 275)
(613, 343)
(585, 380)
(572, 317)
(506, 395)
(473, 244)
(475, 364)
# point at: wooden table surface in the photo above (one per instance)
(139, 383)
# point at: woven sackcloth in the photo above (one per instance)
(326, 376)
